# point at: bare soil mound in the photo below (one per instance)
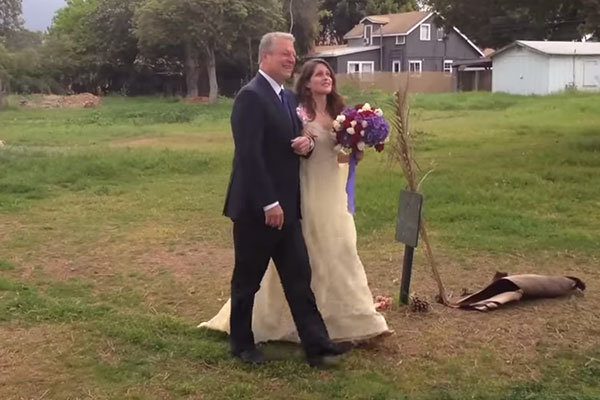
(83, 100)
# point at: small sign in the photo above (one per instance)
(409, 218)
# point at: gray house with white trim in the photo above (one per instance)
(399, 42)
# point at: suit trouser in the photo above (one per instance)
(255, 244)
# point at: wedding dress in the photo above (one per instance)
(338, 281)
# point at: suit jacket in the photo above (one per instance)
(265, 168)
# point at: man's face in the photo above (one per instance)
(280, 62)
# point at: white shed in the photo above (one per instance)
(533, 67)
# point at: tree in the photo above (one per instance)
(497, 23)
(98, 36)
(591, 9)
(10, 20)
(202, 29)
(339, 17)
(304, 22)
(114, 42)
(22, 39)
(71, 42)
(10, 16)
(4, 75)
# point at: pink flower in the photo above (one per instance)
(302, 114)
(383, 303)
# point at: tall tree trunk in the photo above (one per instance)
(251, 64)
(192, 72)
(211, 67)
(1, 95)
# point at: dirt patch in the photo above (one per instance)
(30, 357)
(196, 100)
(83, 100)
(192, 282)
(174, 142)
(513, 341)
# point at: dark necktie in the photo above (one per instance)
(284, 104)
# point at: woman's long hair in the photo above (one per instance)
(335, 102)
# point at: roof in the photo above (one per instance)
(555, 48)
(478, 62)
(399, 24)
(335, 51)
(395, 24)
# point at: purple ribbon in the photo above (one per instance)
(350, 185)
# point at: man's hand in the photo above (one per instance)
(274, 217)
(301, 145)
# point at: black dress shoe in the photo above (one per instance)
(253, 356)
(329, 357)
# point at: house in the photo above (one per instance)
(397, 43)
(534, 67)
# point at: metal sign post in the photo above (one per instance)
(407, 232)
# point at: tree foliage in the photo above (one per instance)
(10, 16)
(495, 23)
(203, 29)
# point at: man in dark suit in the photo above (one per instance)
(263, 200)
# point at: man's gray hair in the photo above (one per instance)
(268, 41)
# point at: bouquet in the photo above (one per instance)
(360, 127)
(356, 129)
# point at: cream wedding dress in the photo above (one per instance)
(338, 281)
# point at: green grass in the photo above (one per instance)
(98, 208)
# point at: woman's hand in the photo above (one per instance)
(343, 158)
(309, 134)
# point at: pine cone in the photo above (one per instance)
(419, 305)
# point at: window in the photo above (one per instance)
(396, 66)
(425, 32)
(368, 35)
(400, 39)
(440, 33)
(357, 67)
(415, 67)
(447, 66)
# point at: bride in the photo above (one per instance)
(339, 281)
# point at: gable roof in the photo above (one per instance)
(399, 24)
(394, 24)
(555, 48)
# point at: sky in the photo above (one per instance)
(38, 13)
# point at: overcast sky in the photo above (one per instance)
(38, 13)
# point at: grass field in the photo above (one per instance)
(113, 248)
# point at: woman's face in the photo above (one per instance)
(321, 81)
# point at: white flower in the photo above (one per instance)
(337, 148)
(379, 112)
(340, 118)
(360, 146)
(387, 139)
(362, 133)
(366, 107)
(350, 131)
(336, 125)
(353, 124)
(1, 143)
(365, 124)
